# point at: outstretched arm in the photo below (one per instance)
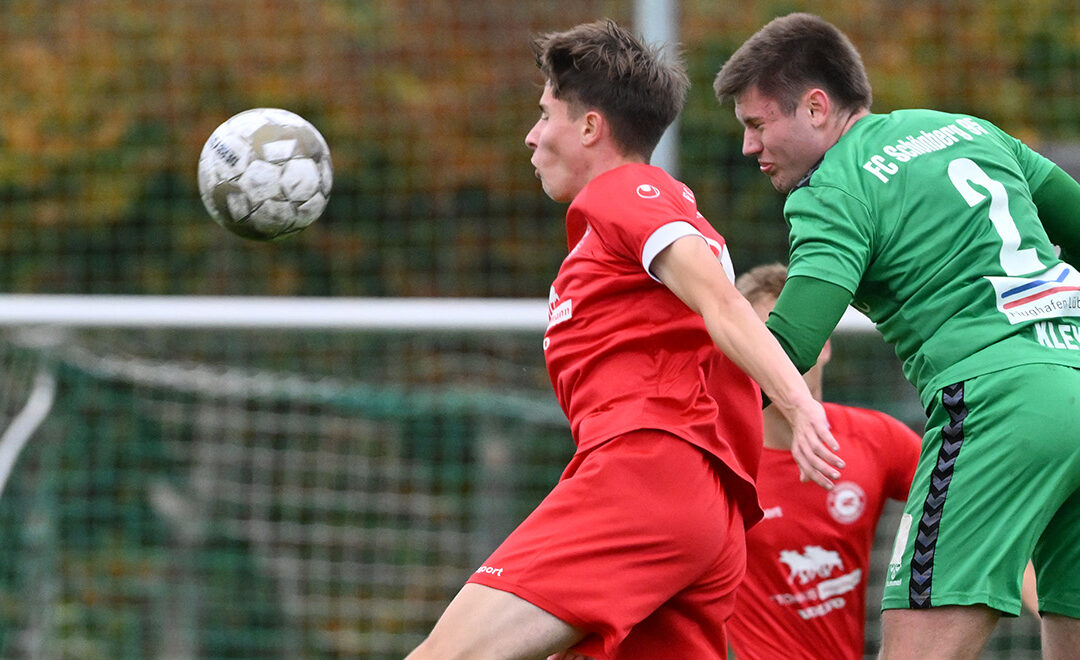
(689, 268)
(1058, 201)
(805, 315)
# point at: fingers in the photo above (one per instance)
(825, 436)
(831, 442)
(815, 449)
(822, 450)
(817, 463)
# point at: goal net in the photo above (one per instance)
(205, 477)
(211, 484)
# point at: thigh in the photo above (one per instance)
(692, 623)
(958, 633)
(1060, 637)
(1056, 558)
(487, 623)
(998, 459)
(631, 525)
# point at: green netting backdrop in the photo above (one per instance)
(224, 504)
(323, 494)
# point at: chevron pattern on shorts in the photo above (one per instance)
(952, 437)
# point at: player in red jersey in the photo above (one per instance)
(638, 550)
(804, 594)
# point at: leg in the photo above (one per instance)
(999, 458)
(1060, 636)
(691, 624)
(618, 538)
(1055, 561)
(944, 633)
(484, 623)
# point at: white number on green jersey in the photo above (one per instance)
(963, 172)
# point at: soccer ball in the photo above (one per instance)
(265, 174)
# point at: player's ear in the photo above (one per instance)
(592, 127)
(817, 103)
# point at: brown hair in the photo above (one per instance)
(790, 55)
(765, 281)
(601, 66)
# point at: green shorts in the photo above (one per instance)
(998, 482)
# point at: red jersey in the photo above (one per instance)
(804, 594)
(623, 352)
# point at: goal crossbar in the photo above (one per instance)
(433, 314)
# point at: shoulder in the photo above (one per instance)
(632, 184)
(635, 198)
(874, 152)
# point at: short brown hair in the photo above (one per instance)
(639, 89)
(790, 55)
(765, 281)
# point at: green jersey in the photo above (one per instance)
(927, 219)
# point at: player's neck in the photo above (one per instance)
(850, 120)
(608, 155)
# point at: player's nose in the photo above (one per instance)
(530, 137)
(751, 144)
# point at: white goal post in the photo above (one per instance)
(435, 314)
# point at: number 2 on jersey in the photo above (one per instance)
(1015, 262)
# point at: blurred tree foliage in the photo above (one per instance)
(106, 105)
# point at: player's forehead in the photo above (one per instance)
(548, 98)
(547, 95)
(560, 109)
(753, 105)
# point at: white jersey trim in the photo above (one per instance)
(673, 231)
(663, 237)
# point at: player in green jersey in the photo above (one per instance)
(946, 232)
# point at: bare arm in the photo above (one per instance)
(689, 268)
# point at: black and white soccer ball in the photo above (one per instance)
(265, 174)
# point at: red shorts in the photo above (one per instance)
(638, 544)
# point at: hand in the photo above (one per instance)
(569, 655)
(813, 446)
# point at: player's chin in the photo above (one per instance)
(556, 193)
(781, 184)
